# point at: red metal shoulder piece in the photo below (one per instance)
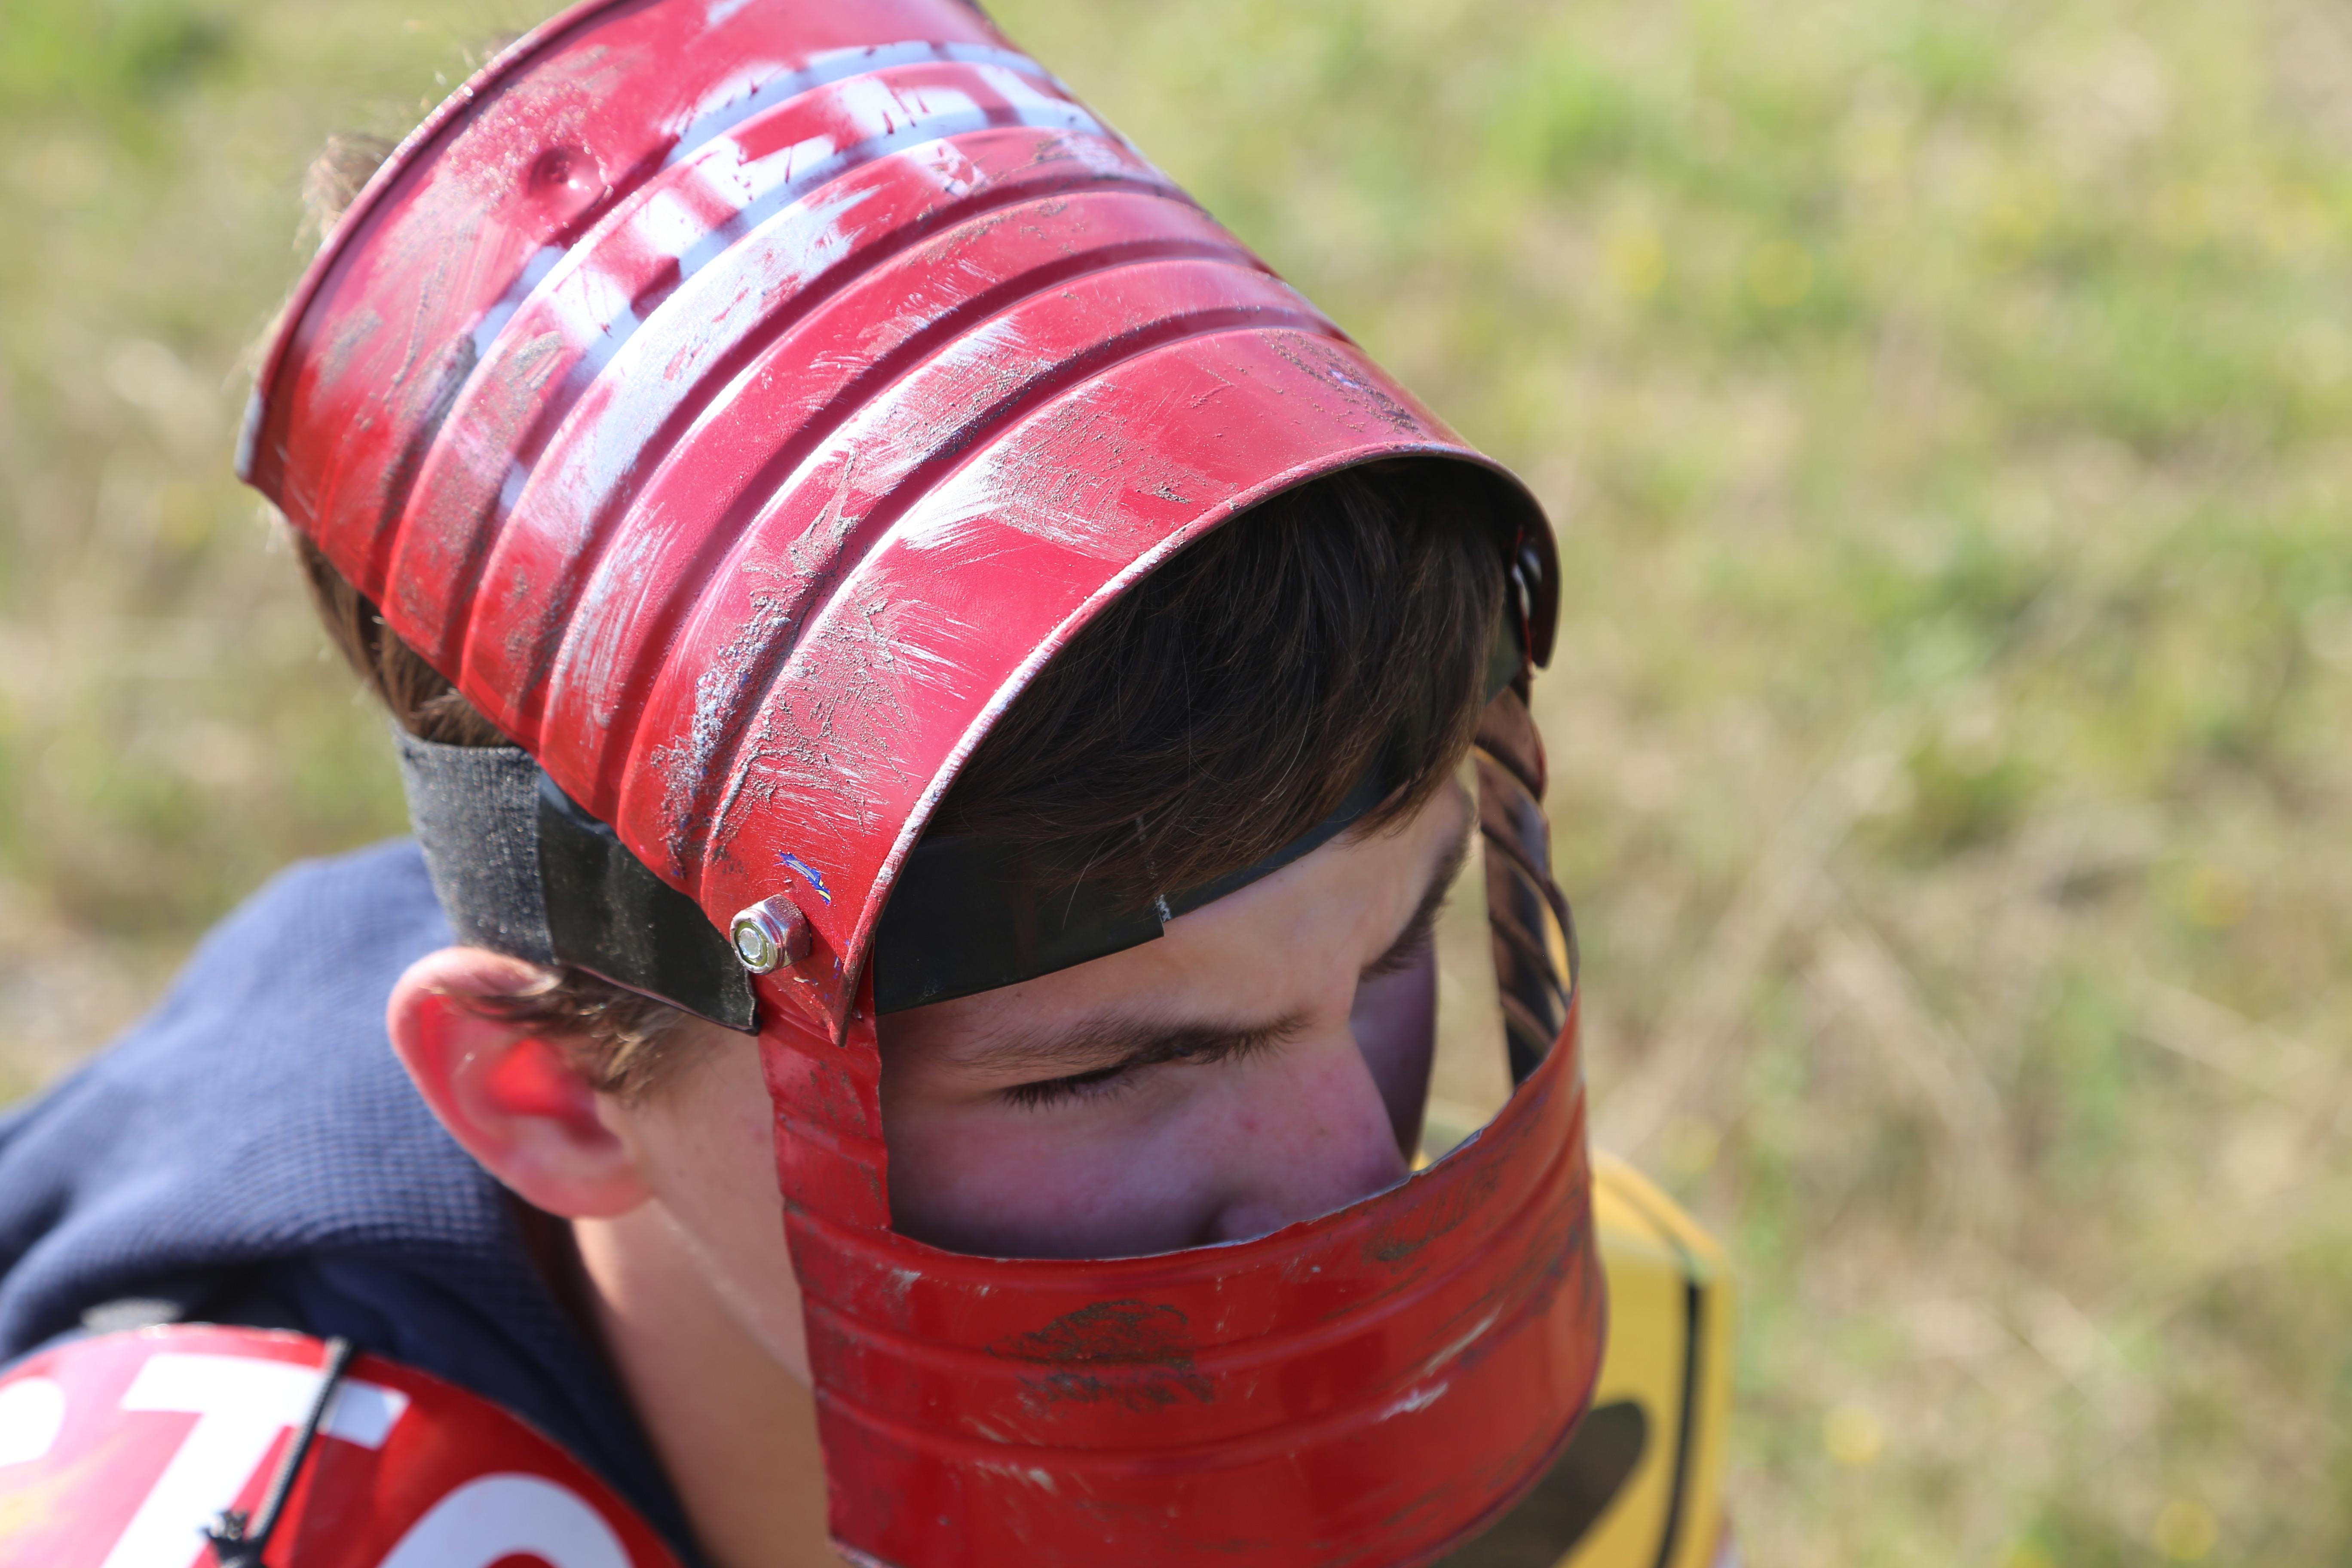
(124, 1450)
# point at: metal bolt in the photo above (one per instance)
(771, 932)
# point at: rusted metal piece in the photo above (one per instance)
(739, 401)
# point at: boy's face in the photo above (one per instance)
(1255, 1065)
(1262, 1062)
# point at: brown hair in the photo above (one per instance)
(1214, 712)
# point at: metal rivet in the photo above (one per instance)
(771, 932)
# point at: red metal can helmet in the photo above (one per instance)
(739, 401)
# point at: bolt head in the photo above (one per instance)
(771, 932)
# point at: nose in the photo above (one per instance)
(1311, 1135)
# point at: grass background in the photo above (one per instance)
(1944, 401)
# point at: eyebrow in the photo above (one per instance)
(1113, 1044)
(1424, 914)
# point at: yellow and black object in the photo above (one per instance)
(1641, 1483)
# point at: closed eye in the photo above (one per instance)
(1188, 1048)
(1098, 1085)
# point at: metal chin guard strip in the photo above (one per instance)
(739, 403)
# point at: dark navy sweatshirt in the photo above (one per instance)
(253, 1152)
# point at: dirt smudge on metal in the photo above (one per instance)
(1129, 1353)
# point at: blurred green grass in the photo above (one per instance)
(1944, 402)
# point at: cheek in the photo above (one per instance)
(1180, 1160)
(711, 1159)
(1395, 1025)
(1000, 1181)
(720, 1177)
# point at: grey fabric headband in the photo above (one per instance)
(476, 812)
(520, 869)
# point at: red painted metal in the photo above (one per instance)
(739, 400)
(121, 1449)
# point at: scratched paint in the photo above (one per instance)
(807, 873)
(686, 499)
(965, 387)
(623, 388)
(1133, 1353)
(637, 374)
(753, 89)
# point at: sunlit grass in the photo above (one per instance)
(1945, 406)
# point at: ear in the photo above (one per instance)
(510, 1096)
